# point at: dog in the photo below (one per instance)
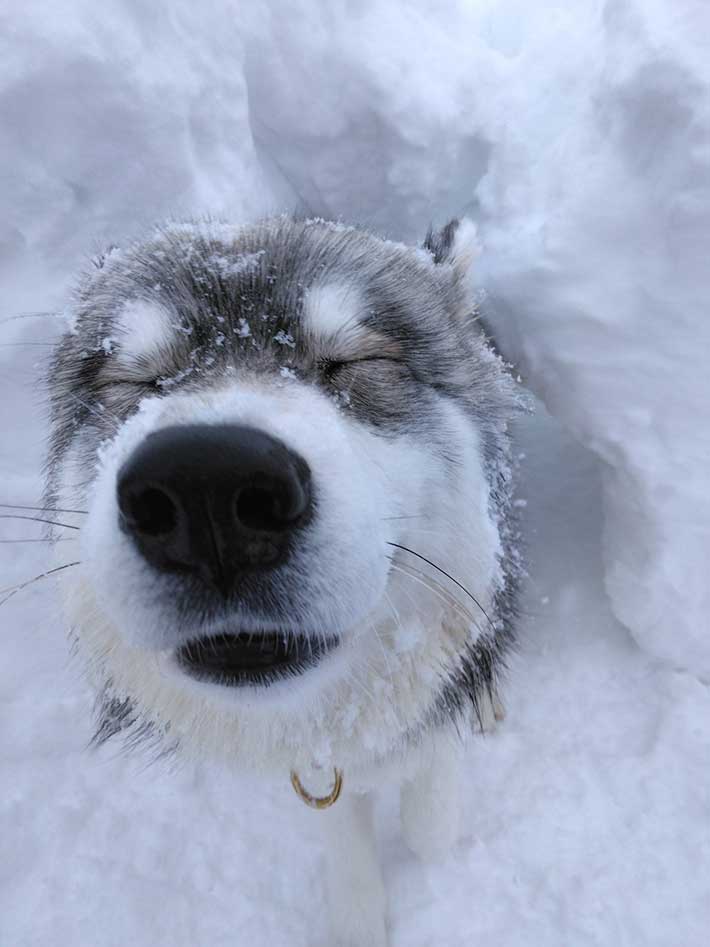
(290, 445)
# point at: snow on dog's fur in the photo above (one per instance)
(363, 358)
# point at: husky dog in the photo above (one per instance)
(290, 441)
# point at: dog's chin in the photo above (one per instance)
(238, 658)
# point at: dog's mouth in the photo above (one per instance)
(252, 658)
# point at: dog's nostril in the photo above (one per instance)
(263, 508)
(150, 511)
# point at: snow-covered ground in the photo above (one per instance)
(577, 134)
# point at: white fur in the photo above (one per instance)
(141, 328)
(331, 312)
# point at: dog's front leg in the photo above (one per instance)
(355, 888)
(430, 802)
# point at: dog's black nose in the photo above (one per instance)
(213, 500)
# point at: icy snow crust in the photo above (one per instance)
(577, 135)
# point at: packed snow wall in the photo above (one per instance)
(576, 135)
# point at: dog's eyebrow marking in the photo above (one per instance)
(333, 314)
(142, 326)
(332, 309)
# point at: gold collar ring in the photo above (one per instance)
(318, 802)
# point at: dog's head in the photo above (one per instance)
(289, 440)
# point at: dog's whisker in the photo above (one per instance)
(429, 582)
(353, 677)
(30, 344)
(448, 576)
(39, 509)
(406, 591)
(97, 412)
(59, 539)
(398, 625)
(390, 605)
(388, 666)
(382, 649)
(446, 594)
(386, 695)
(29, 315)
(14, 589)
(36, 519)
(413, 516)
(423, 530)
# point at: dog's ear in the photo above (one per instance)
(456, 244)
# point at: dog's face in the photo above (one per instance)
(262, 423)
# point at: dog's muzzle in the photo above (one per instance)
(216, 504)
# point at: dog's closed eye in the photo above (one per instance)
(330, 368)
(129, 379)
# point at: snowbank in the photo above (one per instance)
(597, 212)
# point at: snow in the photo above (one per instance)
(576, 137)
